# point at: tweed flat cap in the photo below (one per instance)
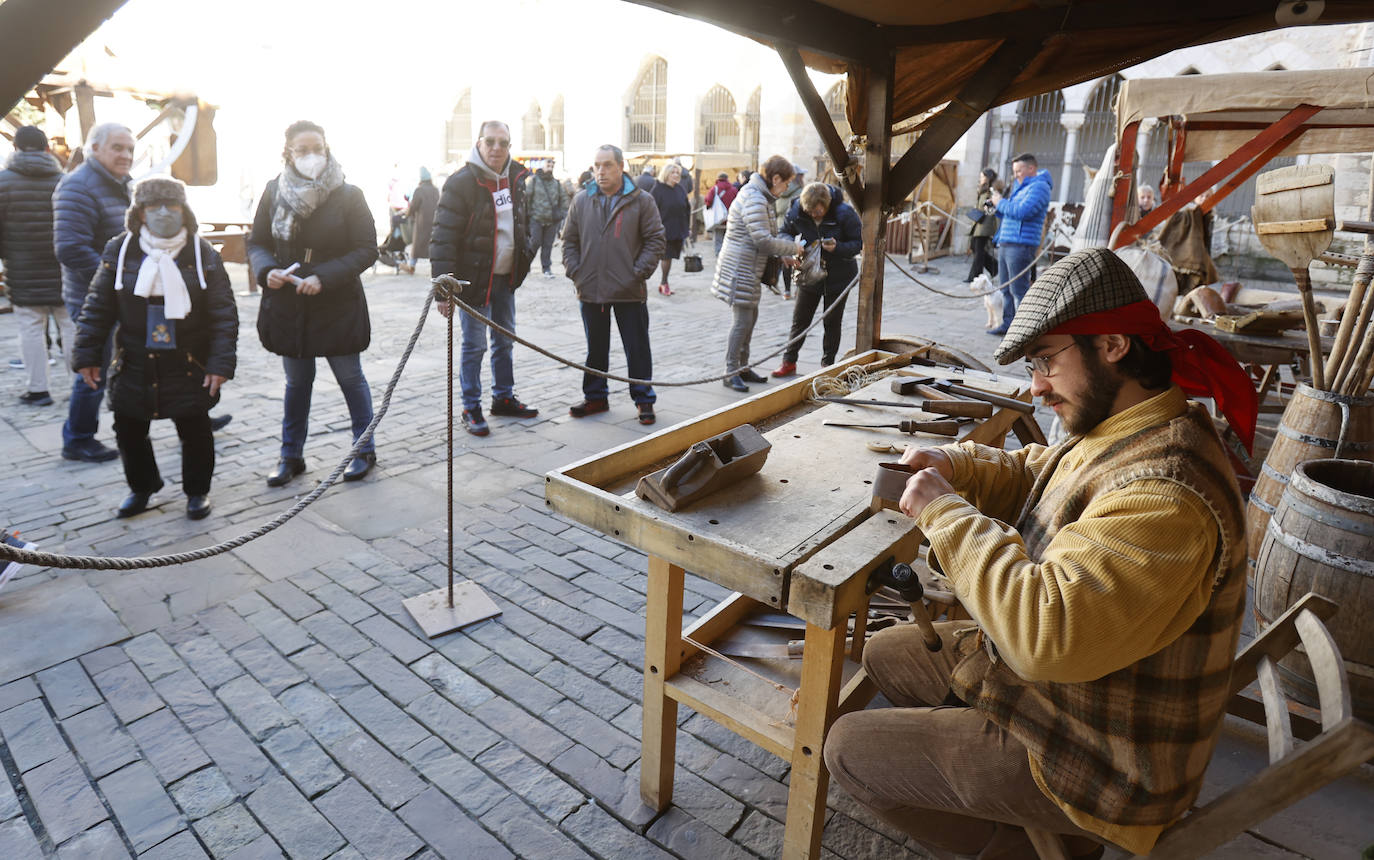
(1085, 282)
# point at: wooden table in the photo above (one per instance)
(798, 536)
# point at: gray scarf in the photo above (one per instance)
(298, 197)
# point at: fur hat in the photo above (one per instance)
(158, 189)
(30, 138)
(1085, 282)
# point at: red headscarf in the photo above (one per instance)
(1202, 367)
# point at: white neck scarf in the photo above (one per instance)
(159, 275)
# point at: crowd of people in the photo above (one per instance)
(142, 303)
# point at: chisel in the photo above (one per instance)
(910, 386)
(961, 408)
(939, 428)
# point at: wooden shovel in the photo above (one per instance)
(1295, 217)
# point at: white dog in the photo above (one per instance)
(992, 298)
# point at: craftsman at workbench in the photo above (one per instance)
(1096, 676)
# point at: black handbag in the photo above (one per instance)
(691, 262)
(771, 270)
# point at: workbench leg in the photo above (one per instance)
(856, 646)
(817, 707)
(662, 657)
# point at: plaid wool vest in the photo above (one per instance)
(1129, 748)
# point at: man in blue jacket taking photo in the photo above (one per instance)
(1023, 218)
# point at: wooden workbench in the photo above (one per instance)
(798, 536)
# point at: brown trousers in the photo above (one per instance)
(954, 781)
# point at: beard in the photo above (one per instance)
(1104, 383)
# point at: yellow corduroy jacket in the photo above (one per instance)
(1092, 603)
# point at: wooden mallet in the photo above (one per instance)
(1295, 217)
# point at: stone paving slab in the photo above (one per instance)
(47, 623)
(278, 701)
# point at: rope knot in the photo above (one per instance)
(447, 288)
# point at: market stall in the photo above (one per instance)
(1241, 122)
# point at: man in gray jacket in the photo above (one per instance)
(612, 241)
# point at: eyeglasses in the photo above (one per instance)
(1041, 363)
(302, 152)
(497, 142)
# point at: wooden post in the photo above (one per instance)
(877, 149)
(85, 108)
(662, 658)
(818, 704)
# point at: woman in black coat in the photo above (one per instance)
(675, 211)
(820, 215)
(167, 291)
(312, 238)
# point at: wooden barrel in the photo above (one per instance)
(1314, 425)
(1321, 538)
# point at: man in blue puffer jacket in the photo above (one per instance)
(88, 210)
(1023, 218)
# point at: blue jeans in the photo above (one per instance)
(83, 412)
(300, 380)
(541, 237)
(632, 318)
(1011, 259)
(501, 310)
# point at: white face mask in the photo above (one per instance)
(310, 166)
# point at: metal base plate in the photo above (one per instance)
(432, 612)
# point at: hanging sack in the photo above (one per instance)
(716, 213)
(691, 262)
(812, 270)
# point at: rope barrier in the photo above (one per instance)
(446, 287)
(1044, 249)
(91, 562)
(494, 326)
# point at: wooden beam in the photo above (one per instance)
(1252, 149)
(979, 93)
(1251, 169)
(877, 149)
(1125, 170)
(1077, 17)
(34, 38)
(85, 108)
(807, 23)
(820, 117)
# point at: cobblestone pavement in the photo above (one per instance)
(278, 701)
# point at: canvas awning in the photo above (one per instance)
(1222, 112)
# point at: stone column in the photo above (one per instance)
(1072, 122)
(1006, 120)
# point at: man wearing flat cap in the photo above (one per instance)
(1105, 577)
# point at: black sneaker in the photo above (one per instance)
(89, 451)
(474, 422)
(588, 407)
(36, 398)
(646, 413)
(512, 407)
(750, 376)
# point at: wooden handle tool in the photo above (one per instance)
(938, 428)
